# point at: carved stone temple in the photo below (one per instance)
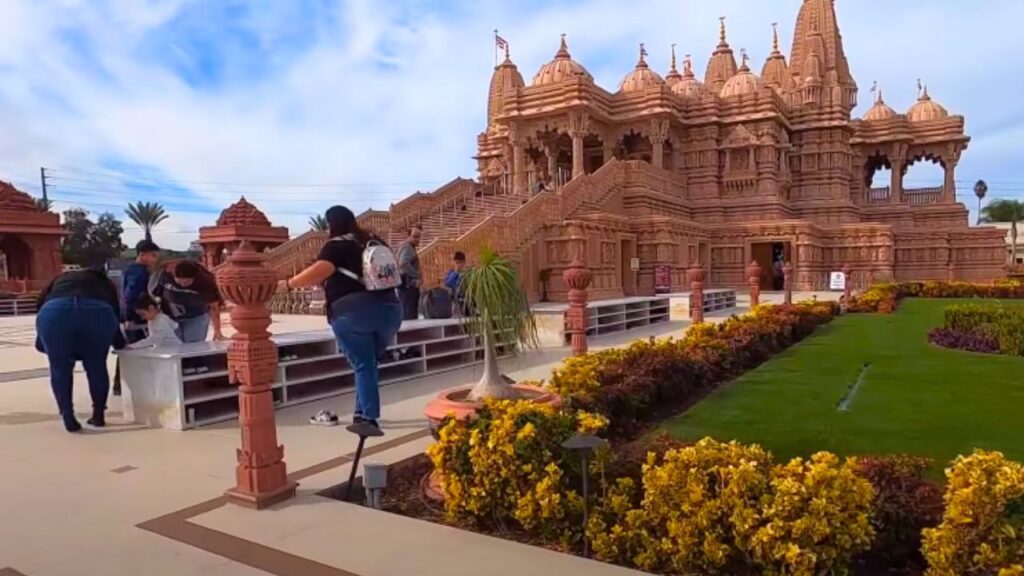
(733, 167)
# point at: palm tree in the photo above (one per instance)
(44, 204)
(147, 215)
(1011, 211)
(318, 223)
(502, 317)
(980, 190)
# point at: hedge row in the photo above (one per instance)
(989, 327)
(884, 298)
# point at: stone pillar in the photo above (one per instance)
(848, 284)
(951, 272)
(518, 168)
(949, 187)
(262, 479)
(658, 152)
(577, 277)
(754, 281)
(552, 153)
(787, 283)
(577, 154)
(896, 183)
(697, 276)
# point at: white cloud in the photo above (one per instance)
(392, 92)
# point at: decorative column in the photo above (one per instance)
(847, 283)
(697, 276)
(518, 160)
(658, 137)
(949, 187)
(754, 281)
(579, 126)
(262, 479)
(552, 154)
(787, 283)
(577, 277)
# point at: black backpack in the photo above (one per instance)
(436, 303)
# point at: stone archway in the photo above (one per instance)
(924, 178)
(18, 257)
(877, 191)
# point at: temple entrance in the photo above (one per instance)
(17, 257)
(770, 256)
(627, 250)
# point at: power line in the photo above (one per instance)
(160, 180)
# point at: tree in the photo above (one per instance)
(502, 318)
(147, 215)
(1011, 211)
(91, 243)
(44, 204)
(318, 223)
(980, 190)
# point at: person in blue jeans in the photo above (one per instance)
(188, 295)
(78, 320)
(135, 284)
(364, 322)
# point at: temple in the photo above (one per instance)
(665, 172)
(237, 223)
(29, 242)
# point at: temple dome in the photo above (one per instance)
(563, 67)
(743, 83)
(14, 200)
(880, 111)
(688, 86)
(642, 77)
(926, 109)
(242, 213)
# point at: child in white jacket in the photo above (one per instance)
(161, 329)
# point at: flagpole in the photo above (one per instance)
(495, 47)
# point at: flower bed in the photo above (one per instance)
(884, 298)
(989, 328)
(647, 380)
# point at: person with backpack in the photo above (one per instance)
(188, 294)
(360, 274)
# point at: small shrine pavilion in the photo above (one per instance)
(29, 242)
(238, 222)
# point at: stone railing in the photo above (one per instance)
(877, 195)
(377, 222)
(923, 196)
(647, 175)
(593, 189)
(411, 211)
(295, 254)
(302, 302)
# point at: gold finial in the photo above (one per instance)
(643, 52)
(563, 49)
(672, 68)
(721, 29)
(775, 36)
(506, 52)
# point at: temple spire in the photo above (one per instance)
(722, 43)
(775, 38)
(563, 49)
(672, 66)
(687, 66)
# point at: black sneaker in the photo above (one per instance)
(98, 419)
(71, 423)
(324, 418)
(364, 427)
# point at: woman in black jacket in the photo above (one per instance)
(78, 320)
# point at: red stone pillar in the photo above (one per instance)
(951, 272)
(754, 281)
(697, 275)
(787, 282)
(262, 479)
(577, 277)
(847, 283)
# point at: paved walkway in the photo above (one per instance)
(130, 500)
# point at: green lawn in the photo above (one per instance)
(915, 398)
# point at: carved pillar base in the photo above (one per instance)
(754, 282)
(577, 277)
(697, 276)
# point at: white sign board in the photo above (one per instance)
(634, 264)
(837, 281)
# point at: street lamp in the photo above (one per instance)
(584, 444)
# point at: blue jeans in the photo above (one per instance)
(364, 330)
(77, 329)
(193, 329)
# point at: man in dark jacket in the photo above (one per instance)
(135, 283)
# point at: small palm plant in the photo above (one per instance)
(502, 317)
(318, 223)
(1011, 211)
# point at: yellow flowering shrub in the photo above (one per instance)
(982, 529)
(816, 518)
(508, 465)
(698, 504)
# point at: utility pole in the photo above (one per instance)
(42, 177)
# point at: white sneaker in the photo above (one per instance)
(324, 418)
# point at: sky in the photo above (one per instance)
(302, 104)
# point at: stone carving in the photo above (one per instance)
(262, 479)
(577, 277)
(697, 275)
(754, 282)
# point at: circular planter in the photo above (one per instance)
(454, 402)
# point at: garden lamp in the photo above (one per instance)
(584, 444)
